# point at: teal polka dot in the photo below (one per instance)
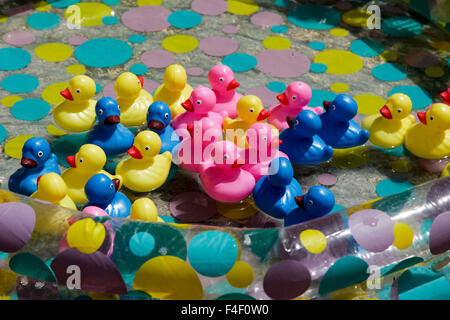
(336, 208)
(366, 47)
(401, 27)
(392, 186)
(141, 244)
(319, 96)
(318, 67)
(240, 62)
(184, 19)
(389, 72)
(420, 97)
(317, 45)
(276, 86)
(3, 135)
(279, 29)
(137, 38)
(20, 83)
(14, 58)
(110, 20)
(111, 2)
(314, 16)
(212, 253)
(43, 20)
(103, 52)
(282, 3)
(30, 109)
(396, 152)
(62, 3)
(139, 69)
(98, 88)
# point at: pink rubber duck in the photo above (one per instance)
(199, 105)
(263, 148)
(293, 100)
(222, 176)
(222, 82)
(201, 134)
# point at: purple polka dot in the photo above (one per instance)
(283, 63)
(209, 7)
(268, 97)
(218, 46)
(149, 85)
(158, 58)
(230, 29)
(16, 225)
(327, 179)
(439, 240)
(433, 165)
(422, 58)
(192, 207)
(266, 19)
(19, 37)
(147, 18)
(195, 71)
(77, 40)
(372, 229)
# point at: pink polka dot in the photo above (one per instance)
(218, 46)
(192, 207)
(283, 63)
(433, 165)
(209, 7)
(268, 97)
(77, 40)
(149, 85)
(327, 179)
(158, 58)
(230, 29)
(19, 37)
(266, 19)
(195, 71)
(147, 18)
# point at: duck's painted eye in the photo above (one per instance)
(265, 138)
(166, 116)
(431, 118)
(221, 79)
(333, 107)
(310, 202)
(198, 102)
(78, 90)
(225, 157)
(80, 160)
(40, 154)
(399, 110)
(294, 98)
(100, 111)
(296, 122)
(196, 131)
(147, 148)
(112, 186)
(251, 110)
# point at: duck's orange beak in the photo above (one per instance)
(141, 80)
(385, 112)
(283, 98)
(66, 94)
(116, 183)
(289, 121)
(422, 117)
(28, 163)
(134, 153)
(275, 143)
(188, 105)
(239, 162)
(233, 84)
(326, 105)
(445, 96)
(112, 120)
(300, 201)
(39, 178)
(71, 161)
(263, 115)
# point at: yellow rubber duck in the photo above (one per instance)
(89, 160)
(430, 139)
(145, 209)
(446, 171)
(77, 112)
(250, 110)
(387, 129)
(133, 100)
(175, 89)
(146, 170)
(52, 188)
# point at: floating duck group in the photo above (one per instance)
(238, 149)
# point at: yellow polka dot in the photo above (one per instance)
(339, 62)
(86, 235)
(369, 103)
(13, 147)
(339, 87)
(434, 72)
(91, 13)
(401, 165)
(389, 55)
(9, 101)
(403, 236)
(141, 3)
(313, 240)
(54, 130)
(103, 296)
(356, 18)
(238, 211)
(241, 275)
(339, 32)
(168, 277)
(53, 52)
(277, 43)
(441, 45)
(76, 69)
(51, 93)
(7, 281)
(42, 6)
(242, 7)
(3, 18)
(180, 43)
(350, 158)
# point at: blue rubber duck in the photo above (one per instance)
(37, 160)
(301, 142)
(275, 193)
(109, 134)
(316, 203)
(158, 120)
(103, 192)
(338, 129)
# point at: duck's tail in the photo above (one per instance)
(363, 136)
(328, 153)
